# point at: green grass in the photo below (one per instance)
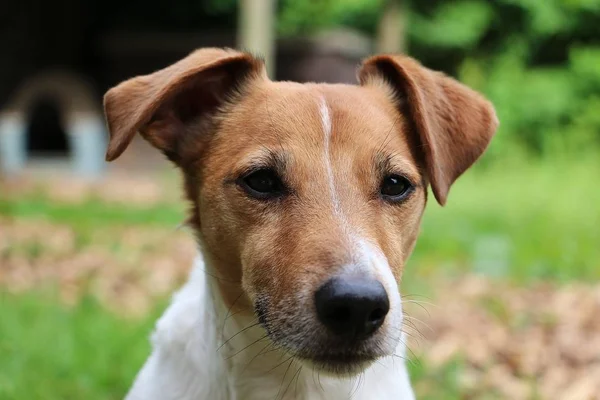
(49, 351)
(436, 384)
(517, 220)
(92, 212)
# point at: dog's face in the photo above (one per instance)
(309, 195)
(308, 185)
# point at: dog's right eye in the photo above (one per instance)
(262, 184)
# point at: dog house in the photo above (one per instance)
(55, 112)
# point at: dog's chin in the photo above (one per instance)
(339, 366)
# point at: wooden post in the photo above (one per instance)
(391, 35)
(256, 30)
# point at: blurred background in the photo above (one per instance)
(502, 291)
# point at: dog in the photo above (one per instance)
(306, 201)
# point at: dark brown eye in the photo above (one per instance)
(395, 188)
(262, 184)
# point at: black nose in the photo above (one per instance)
(352, 307)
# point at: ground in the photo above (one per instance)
(502, 293)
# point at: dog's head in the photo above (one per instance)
(309, 195)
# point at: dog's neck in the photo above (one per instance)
(203, 350)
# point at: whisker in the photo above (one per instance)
(248, 346)
(255, 356)
(414, 337)
(413, 354)
(291, 380)
(239, 332)
(297, 379)
(318, 378)
(237, 312)
(429, 303)
(283, 380)
(415, 295)
(281, 363)
(359, 381)
(420, 304)
(220, 278)
(227, 315)
(387, 136)
(415, 333)
(410, 320)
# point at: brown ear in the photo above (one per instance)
(161, 105)
(454, 123)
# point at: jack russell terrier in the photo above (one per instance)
(306, 201)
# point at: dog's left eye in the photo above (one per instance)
(262, 184)
(395, 188)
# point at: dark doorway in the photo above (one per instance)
(45, 134)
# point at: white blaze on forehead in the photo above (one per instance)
(325, 118)
(326, 124)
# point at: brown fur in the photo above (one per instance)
(215, 113)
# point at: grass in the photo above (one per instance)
(91, 213)
(52, 352)
(519, 221)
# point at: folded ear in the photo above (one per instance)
(161, 105)
(454, 124)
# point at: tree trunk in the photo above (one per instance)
(256, 30)
(391, 30)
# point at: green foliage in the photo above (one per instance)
(466, 20)
(305, 17)
(545, 18)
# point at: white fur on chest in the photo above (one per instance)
(190, 362)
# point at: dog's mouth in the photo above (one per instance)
(346, 364)
(336, 359)
(314, 346)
